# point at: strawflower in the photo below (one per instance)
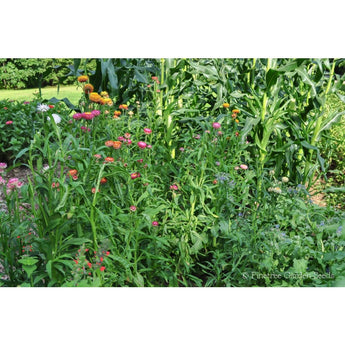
(243, 166)
(135, 175)
(174, 187)
(78, 116)
(216, 125)
(95, 97)
(117, 145)
(147, 130)
(88, 88)
(133, 208)
(73, 172)
(155, 223)
(103, 180)
(109, 159)
(9, 122)
(123, 106)
(226, 105)
(83, 78)
(142, 144)
(109, 143)
(3, 165)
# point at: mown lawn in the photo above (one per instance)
(70, 92)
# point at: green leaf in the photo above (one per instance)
(28, 261)
(271, 78)
(300, 265)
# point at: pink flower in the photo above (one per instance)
(181, 149)
(3, 165)
(133, 208)
(95, 112)
(77, 116)
(129, 141)
(174, 187)
(140, 160)
(142, 144)
(9, 122)
(243, 166)
(87, 116)
(149, 146)
(120, 138)
(216, 125)
(155, 223)
(127, 135)
(135, 175)
(236, 168)
(147, 130)
(14, 183)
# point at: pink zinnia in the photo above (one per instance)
(9, 122)
(142, 144)
(147, 130)
(155, 223)
(216, 125)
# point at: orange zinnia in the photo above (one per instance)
(117, 144)
(109, 159)
(123, 106)
(235, 111)
(73, 172)
(117, 113)
(109, 143)
(94, 97)
(88, 88)
(83, 78)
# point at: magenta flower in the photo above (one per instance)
(129, 141)
(77, 116)
(135, 175)
(95, 112)
(216, 125)
(14, 183)
(9, 122)
(3, 165)
(174, 187)
(149, 146)
(147, 130)
(87, 116)
(142, 144)
(155, 223)
(133, 208)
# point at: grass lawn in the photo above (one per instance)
(70, 92)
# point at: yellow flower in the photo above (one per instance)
(235, 111)
(83, 78)
(95, 97)
(226, 105)
(104, 94)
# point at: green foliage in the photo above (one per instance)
(178, 189)
(32, 73)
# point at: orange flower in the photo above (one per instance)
(226, 105)
(117, 144)
(83, 78)
(73, 172)
(88, 88)
(93, 190)
(94, 97)
(109, 143)
(103, 180)
(235, 111)
(237, 121)
(123, 106)
(234, 115)
(109, 159)
(117, 113)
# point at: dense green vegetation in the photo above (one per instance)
(177, 172)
